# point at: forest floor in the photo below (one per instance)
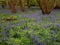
(34, 12)
(30, 17)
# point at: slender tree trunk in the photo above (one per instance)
(22, 4)
(3, 4)
(28, 3)
(12, 6)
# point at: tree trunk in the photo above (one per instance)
(12, 6)
(57, 4)
(22, 4)
(3, 4)
(47, 6)
(28, 3)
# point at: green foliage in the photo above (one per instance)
(27, 28)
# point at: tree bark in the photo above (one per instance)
(12, 6)
(3, 4)
(28, 3)
(22, 4)
(47, 6)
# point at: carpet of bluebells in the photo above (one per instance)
(30, 28)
